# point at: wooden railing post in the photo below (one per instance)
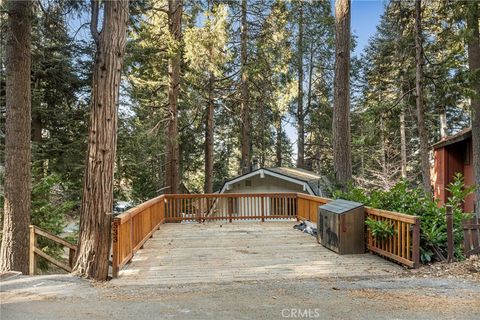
(115, 248)
(262, 198)
(416, 243)
(297, 204)
(71, 257)
(32, 267)
(132, 244)
(449, 218)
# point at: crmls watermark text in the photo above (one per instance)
(296, 313)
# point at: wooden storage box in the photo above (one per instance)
(341, 226)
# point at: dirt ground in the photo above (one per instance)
(467, 269)
(411, 296)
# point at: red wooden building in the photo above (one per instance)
(453, 154)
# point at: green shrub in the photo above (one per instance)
(48, 212)
(414, 201)
(380, 229)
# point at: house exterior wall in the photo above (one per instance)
(449, 160)
(439, 175)
(469, 179)
(267, 184)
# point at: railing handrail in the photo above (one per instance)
(312, 197)
(35, 251)
(384, 213)
(394, 215)
(228, 195)
(130, 213)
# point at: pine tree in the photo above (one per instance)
(422, 130)
(245, 140)
(300, 112)
(14, 253)
(172, 162)
(92, 258)
(474, 66)
(341, 123)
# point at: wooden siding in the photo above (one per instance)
(449, 160)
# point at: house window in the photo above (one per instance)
(248, 183)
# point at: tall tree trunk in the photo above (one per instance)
(422, 130)
(172, 165)
(342, 158)
(474, 66)
(313, 161)
(403, 143)
(443, 122)
(209, 132)
(15, 240)
(318, 159)
(262, 135)
(97, 200)
(37, 127)
(37, 124)
(300, 115)
(278, 143)
(310, 82)
(245, 162)
(383, 148)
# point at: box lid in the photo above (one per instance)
(340, 206)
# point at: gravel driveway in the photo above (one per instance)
(408, 297)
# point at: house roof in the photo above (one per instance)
(301, 174)
(459, 137)
(310, 180)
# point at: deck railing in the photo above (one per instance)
(132, 228)
(35, 251)
(404, 245)
(308, 206)
(229, 207)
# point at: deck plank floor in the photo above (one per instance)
(241, 251)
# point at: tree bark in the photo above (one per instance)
(403, 143)
(443, 123)
(278, 146)
(209, 132)
(14, 254)
(97, 199)
(172, 170)
(422, 130)
(37, 127)
(341, 109)
(383, 148)
(300, 115)
(310, 81)
(245, 163)
(474, 66)
(263, 148)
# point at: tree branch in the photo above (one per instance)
(94, 22)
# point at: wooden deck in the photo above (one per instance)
(213, 252)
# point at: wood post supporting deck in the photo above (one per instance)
(32, 268)
(450, 244)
